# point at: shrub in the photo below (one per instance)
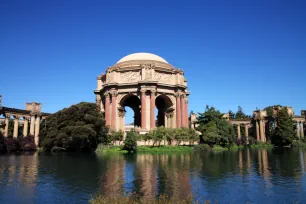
(202, 147)
(130, 142)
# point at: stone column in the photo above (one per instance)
(16, 124)
(32, 125)
(25, 126)
(302, 129)
(262, 132)
(114, 112)
(246, 129)
(178, 111)
(297, 129)
(152, 107)
(257, 131)
(143, 109)
(107, 102)
(186, 112)
(7, 121)
(37, 129)
(238, 131)
(183, 111)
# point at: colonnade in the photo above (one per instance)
(34, 125)
(246, 127)
(181, 109)
(300, 129)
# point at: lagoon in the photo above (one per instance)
(245, 175)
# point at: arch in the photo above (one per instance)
(165, 110)
(134, 103)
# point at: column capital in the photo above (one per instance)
(106, 94)
(26, 117)
(16, 116)
(177, 94)
(7, 115)
(143, 90)
(114, 93)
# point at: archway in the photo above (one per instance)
(164, 111)
(133, 102)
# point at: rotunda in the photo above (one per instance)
(143, 82)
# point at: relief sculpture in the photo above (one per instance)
(163, 77)
(130, 76)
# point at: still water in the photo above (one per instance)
(248, 175)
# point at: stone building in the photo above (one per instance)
(143, 82)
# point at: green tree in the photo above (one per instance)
(215, 129)
(77, 128)
(130, 142)
(284, 132)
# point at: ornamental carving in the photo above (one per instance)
(130, 76)
(148, 70)
(162, 77)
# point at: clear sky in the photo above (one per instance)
(248, 53)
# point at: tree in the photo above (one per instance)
(130, 142)
(214, 128)
(284, 132)
(77, 128)
(240, 114)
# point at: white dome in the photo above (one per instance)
(142, 56)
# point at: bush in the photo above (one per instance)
(202, 147)
(116, 135)
(130, 142)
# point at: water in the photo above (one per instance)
(244, 176)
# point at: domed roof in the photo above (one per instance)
(142, 56)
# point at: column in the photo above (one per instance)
(246, 129)
(178, 111)
(262, 133)
(25, 126)
(152, 107)
(37, 129)
(107, 102)
(7, 121)
(297, 129)
(186, 112)
(257, 131)
(238, 132)
(143, 109)
(32, 125)
(302, 129)
(114, 112)
(183, 111)
(16, 124)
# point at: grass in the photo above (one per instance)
(218, 148)
(262, 145)
(109, 149)
(131, 199)
(157, 149)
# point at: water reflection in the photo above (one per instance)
(247, 175)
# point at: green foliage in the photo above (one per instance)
(215, 130)
(240, 114)
(77, 128)
(169, 135)
(218, 148)
(284, 132)
(116, 135)
(202, 147)
(163, 149)
(130, 142)
(269, 109)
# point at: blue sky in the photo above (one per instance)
(248, 53)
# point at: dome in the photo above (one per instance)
(142, 56)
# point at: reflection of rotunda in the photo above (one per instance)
(143, 82)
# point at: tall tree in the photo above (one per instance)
(284, 132)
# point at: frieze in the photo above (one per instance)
(163, 77)
(130, 76)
